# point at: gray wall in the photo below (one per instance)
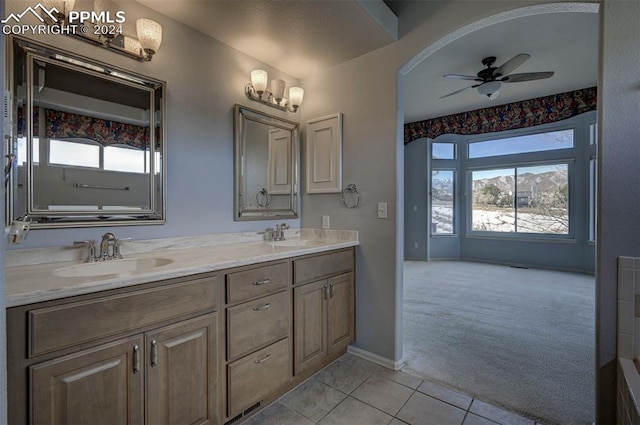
(3, 327)
(618, 193)
(205, 78)
(416, 177)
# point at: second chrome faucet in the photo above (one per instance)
(278, 234)
(108, 240)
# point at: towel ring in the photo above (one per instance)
(262, 198)
(350, 196)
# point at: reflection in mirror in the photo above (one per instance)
(88, 141)
(266, 166)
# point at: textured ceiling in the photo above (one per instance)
(301, 37)
(566, 43)
(297, 37)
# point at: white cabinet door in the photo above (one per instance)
(324, 154)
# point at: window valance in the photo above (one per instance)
(526, 113)
(63, 125)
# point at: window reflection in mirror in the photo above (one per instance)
(97, 149)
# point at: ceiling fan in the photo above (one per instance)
(490, 79)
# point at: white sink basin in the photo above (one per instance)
(115, 267)
(290, 243)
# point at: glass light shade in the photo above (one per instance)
(63, 6)
(259, 79)
(104, 6)
(295, 96)
(132, 45)
(487, 89)
(277, 89)
(149, 34)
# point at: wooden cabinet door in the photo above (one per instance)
(182, 376)
(340, 324)
(98, 386)
(310, 318)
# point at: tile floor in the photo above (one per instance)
(354, 391)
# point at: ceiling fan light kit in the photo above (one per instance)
(489, 80)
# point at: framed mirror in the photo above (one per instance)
(266, 166)
(87, 141)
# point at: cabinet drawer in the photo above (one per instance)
(257, 323)
(312, 268)
(61, 326)
(255, 282)
(253, 377)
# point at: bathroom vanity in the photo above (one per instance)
(208, 338)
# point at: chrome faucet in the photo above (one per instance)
(92, 250)
(109, 239)
(278, 234)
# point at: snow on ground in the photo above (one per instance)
(501, 220)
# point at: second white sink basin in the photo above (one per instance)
(102, 268)
(292, 243)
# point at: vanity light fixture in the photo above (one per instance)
(109, 36)
(274, 97)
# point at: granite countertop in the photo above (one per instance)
(31, 283)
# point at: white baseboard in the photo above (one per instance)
(374, 358)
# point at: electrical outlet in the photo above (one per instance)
(415, 244)
(415, 208)
(325, 221)
(382, 210)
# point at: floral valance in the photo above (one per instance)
(527, 113)
(68, 125)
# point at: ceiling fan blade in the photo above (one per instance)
(459, 91)
(526, 76)
(462, 77)
(511, 65)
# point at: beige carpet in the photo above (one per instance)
(523, 339)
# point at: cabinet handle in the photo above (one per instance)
(262, 307)
(136, 359)
(261, 282)
(154, 353)
(331, 290)
(262, 359)
(326, 291)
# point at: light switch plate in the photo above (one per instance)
(382, 210)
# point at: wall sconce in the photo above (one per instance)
(257, 90)
(109, 36)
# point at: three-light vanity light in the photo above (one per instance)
(274, 96)
(90, 26)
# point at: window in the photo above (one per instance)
(62, 152)
(119, 158)
(528, 199)
(593, 173)
(22, 150)
(553, 140)
(442, 202)
(441, 150)
(593, 134)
